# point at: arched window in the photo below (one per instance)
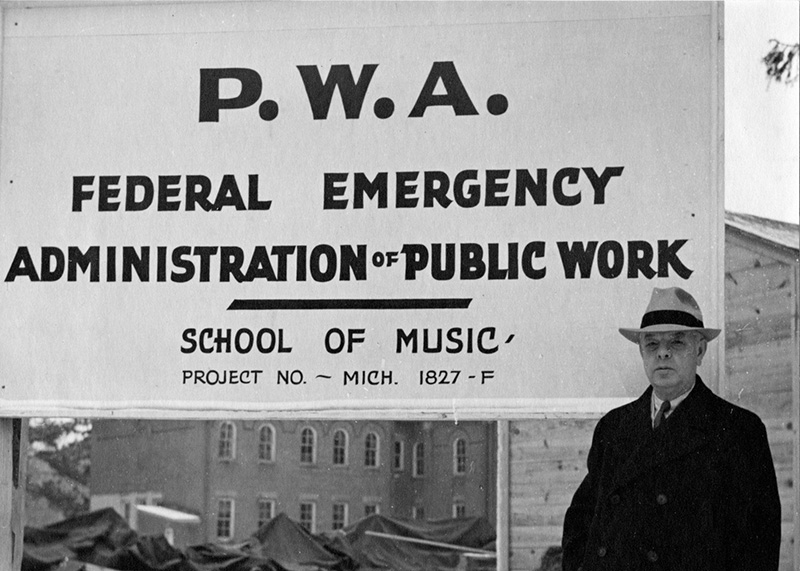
(266, 443)
(307, 446)
(459, 456)
(371, 450)
(340, 447)
(398, 455)
(226, 449)
(419, 460)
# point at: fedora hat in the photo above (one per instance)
(671, 309)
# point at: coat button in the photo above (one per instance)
(652, 556)
(601, 552)
(614, 499)
(661, 499)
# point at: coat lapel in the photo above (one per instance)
(632, 438)
(686, 429)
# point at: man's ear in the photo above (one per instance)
(702, 346)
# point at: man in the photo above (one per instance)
(679, 479)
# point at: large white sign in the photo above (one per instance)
(406, 207)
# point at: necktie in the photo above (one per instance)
(665, 406)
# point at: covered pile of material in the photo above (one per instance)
(381, 552)
(103, 539)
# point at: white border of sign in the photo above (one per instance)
(11, 500)
(463, 408)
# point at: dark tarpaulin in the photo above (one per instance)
(336, 543)
(44, 557)
(85, 538)
(212, 557)
(103, 538)
(93, 531)
(148, 553)
(386, 553)
(291, 545)
(73, 566)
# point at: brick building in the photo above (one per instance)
(236, 475)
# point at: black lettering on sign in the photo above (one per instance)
(170, 193)
(210, 101)
(468, 188)
(443, 87)
(578, 259)
(471, 261)
(352, 92)
(455, 94)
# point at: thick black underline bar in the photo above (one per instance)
(290, 304)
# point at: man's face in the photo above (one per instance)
(671, 360)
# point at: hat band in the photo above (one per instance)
(670, 317)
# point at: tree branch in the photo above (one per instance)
(782, 62)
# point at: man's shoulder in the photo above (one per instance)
(719, 412)
(627, 409)
(724, 420)
(729, 414)
(622, 415)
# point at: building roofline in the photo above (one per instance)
(782, 237)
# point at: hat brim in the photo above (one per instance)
(632, 335)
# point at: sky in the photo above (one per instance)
(762, 121)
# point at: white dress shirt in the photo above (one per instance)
(656, 404)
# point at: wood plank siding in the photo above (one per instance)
(548, 462)
(761, 357)
(548, 457)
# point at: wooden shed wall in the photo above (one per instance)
(547, 463)
(548, 457)
(761, 358)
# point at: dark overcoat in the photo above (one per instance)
(697, 494)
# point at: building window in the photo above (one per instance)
(227, 441)
(418, 512)
(266, 510)
(266, 443)
(459, 456)
(307, 449)
(459, 509)
(225, 515)
(398, 456)
(339, 516)
(371, 450)
(340, 448)
(419, 460)
(371, 509)
(308, 516)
